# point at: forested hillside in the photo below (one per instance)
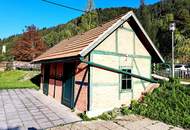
(154, 18)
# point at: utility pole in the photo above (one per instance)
(90, 6)
(162, 5)
(142, 3)
(172, 28)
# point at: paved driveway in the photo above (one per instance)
(21, 109)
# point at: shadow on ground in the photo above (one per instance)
(36, 80)
(18, 128)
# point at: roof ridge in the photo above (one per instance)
(81, 44)
(65, 43)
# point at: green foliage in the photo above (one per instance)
(84, 117)
(52, 38)
(156, 19)
(6, 57)
(105, 116)
(169, 103)
(108, 115)
(15, 79)
(126, 110)
(169, 17)
(182, 47)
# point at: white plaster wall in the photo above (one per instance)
(105, 85)
(108, 43)
(125, 38)
(141, 67)
(132, 38)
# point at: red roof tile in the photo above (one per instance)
(73, 46)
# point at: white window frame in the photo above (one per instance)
(126, 89)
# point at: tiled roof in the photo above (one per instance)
(73, 46)
(81, 45)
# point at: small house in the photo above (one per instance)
(100, 69)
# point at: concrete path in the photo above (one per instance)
(123, 123)
(21, 109)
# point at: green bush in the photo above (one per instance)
(84, 117)
(6, 57)
(169, 103)
(125, 110)
(105, 116)
(108, 115)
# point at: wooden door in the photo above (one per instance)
(68, 85)
(46, 79)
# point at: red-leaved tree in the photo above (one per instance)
(29, 46)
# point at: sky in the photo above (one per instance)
(16, 14)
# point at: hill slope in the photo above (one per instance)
(154, 18)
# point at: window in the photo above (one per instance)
(126, 80)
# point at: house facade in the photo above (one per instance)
(89, 84)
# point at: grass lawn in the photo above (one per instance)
(18, 79)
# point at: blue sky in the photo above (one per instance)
(16, 14)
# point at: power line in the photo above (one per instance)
(90, 7)
(65, 6)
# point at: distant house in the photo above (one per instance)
(100, 69)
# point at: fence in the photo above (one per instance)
(18, 65)
(25, 65)
(165, 70)
(4, 65)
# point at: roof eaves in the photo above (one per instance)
(65, 59)
(111, 29)
(148, 38)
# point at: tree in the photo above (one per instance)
(182, 48)
(29, 46)
(183, 23)
(154, 18)
(51, 38)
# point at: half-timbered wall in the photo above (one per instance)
(81, 87)
(122, 49)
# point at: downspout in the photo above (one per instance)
(116, 70)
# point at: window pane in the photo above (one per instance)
(129, 84)
(126, 80)
(123, 75)
(124, 85)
